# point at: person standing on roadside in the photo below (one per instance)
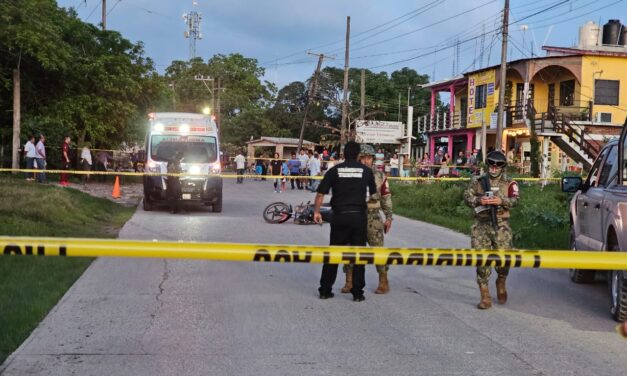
(394, 164)
(275, 171)
(303, 158)
(65, 161)
(314, 170)
(86, 161)
(349, 183)
(240, 166)
(491, 196)
(293, 166)
(30, 154)
(376, 227)
(40, 148)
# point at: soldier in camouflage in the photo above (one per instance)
(376, 226)
(485, 234)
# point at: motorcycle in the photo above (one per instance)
(279, 212)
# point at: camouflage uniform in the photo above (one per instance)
(483, 234)
(375, 223)
(382, 203)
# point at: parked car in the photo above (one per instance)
(598, 217)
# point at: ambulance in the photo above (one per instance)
(195, 136)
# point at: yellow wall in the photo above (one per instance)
(605, 68)
(477, 116)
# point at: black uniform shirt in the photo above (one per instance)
(348, 182)
(275, 166)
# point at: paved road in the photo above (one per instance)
(158, 317)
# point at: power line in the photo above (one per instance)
(113, 7)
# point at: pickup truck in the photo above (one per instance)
(598, 217)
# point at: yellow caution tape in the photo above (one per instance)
(233, 176)
(313, 254)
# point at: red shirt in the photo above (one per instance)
(65, 149)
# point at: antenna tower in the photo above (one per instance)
(192, 20)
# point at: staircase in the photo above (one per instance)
(572, 139)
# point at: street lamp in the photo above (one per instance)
(206, 111)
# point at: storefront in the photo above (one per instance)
(451, 141)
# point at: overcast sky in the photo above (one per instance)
(383, 32)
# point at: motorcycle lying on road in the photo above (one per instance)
(279, 212)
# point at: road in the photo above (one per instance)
(180, 317)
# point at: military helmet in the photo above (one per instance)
(365, 149)
(496, 158)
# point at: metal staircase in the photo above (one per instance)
(569, 137)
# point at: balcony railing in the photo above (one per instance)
(441, 121)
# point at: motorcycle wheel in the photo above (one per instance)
(277, 212)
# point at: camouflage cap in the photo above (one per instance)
(365, 149)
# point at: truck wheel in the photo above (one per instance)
(618, 292)
(147, 204)
(216, 207)
(578, 275)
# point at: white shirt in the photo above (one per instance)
(86, 155)
(41, 150)
(304, 159)
(240, 162)
(314, 167)
(394, 163)
(30, 150)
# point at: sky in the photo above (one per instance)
(439, 38)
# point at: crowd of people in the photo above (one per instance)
(36, 158)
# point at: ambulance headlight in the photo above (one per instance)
(184, 128)
(194, 170)
(158, 127)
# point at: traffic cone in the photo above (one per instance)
(116, 188)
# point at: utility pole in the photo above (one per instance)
(104, 14)
(218, 117)
(503, 78)
(343, 136)
(310, 96)
(362, 106)
(15, 157)
(399, 106)
(173, 96)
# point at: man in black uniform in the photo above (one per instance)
(173, 183)
(349, 182)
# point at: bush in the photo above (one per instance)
(539, 220)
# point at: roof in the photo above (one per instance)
(444, 82)
(598, 51)
(279, 140)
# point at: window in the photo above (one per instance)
(610, 167)
(567, 93)
(481, 96)
(594, 171)
(606, 92)
(195, 149)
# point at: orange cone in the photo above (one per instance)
(116, 188)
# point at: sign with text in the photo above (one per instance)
(378, 132)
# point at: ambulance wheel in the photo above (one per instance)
(216, 207)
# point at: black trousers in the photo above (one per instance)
(346, 229)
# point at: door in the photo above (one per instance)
(520, 101)
(463, 111)
(587, 221)
(551, 98)
(596, 199)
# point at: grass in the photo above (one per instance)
(31, 286)
(539, 220)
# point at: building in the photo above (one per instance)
(574, 98)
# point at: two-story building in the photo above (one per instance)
(574, 98)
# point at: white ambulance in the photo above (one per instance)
(196, 137)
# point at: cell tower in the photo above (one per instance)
(192, 20)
